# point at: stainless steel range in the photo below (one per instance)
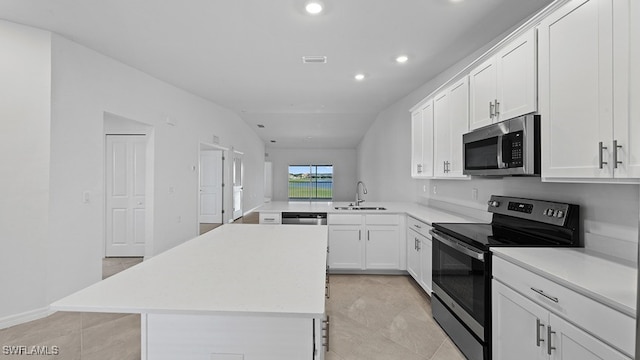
(462, 262)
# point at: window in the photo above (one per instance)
(310, 182)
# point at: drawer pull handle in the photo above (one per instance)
(538, 326)
(418, 226)
(552, 298)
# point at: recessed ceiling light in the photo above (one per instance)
(402, 59)
(359, 77)
(313, 7)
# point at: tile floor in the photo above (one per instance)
(385, 318)
(372, 317)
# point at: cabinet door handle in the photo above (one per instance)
(538, 338)
(549, 347)
(359, 235)
(601, 161)
(491, 107)
(552, 298)
(497, 108)
(368, 238)
(327, 286)
(326, 333)
(615, 154)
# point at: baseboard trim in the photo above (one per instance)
(366, 272)
(17, 319)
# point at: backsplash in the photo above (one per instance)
(608, 212)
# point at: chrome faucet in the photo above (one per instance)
(364, 191)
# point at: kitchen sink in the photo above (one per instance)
(359, 208)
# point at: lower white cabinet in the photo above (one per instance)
(525, 330)
(535, 318)
(364, 242)
(223, 337)
(270, 218)
(419, 253)
(419, 256)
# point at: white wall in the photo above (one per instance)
(55, 97)
(609, 213)
(25, 91)
(87, 84)
(344, 170)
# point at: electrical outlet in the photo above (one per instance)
(474, 194)
(435, 189)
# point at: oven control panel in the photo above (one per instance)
(549, 212)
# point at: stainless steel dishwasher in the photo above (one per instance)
(304, 218)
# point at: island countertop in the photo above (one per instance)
(236, 269)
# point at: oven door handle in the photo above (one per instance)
(457, 245)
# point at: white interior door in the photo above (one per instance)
(125, 195)
(211, 186)
(237, 186)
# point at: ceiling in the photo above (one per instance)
(246, 54)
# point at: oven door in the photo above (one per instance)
(461, 279)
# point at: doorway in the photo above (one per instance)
(210, 187)
(125, 170)
(128, 174)
(237, 173)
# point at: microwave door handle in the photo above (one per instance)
(501, 165)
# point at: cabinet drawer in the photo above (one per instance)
(382, 219)
(270, 218)
(611, 326)
(344, 219)
(418, 226)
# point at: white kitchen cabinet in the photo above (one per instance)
(413, 255)
(207, 337)
(525, 330)
(450, 122)
(270, 218)
(422, 141)
(382, 251)
(364, 242)
(504, 86)
(419, 253)
(536, 318)
(587, 129)
(345, 246)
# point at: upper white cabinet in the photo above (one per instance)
(589, 128)
(450, 122)
(504, 86)
(422, 141)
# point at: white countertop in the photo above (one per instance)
(420, 212)
(605, 280)
(262, 270)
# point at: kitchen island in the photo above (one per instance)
(251, 292)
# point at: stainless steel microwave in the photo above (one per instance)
(510, 147)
